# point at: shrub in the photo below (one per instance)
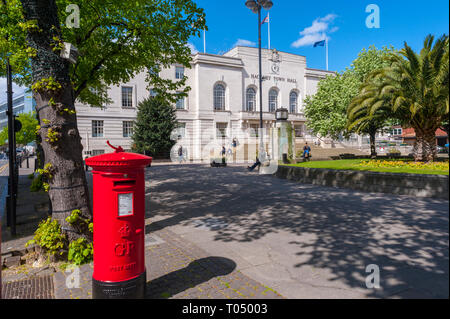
(80, 251)
(49, 237)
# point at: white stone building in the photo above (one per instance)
(224, 96)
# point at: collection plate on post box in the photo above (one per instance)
(125, 204)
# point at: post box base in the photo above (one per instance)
(129, 289)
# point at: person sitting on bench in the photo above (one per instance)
(306, 151)
(257, 163)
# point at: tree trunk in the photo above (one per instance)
(373, 149)
(61, 141)
(39, 150)
(418, 146)
(429, 145)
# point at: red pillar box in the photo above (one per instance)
(119, 226)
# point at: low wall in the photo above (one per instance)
(435, 186)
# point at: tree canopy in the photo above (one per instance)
(156, 119)
(326, 111)
(28, 132)
(415, 86)
(116, 39)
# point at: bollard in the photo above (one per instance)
(119, 226)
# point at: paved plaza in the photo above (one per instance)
(305, 241)
(227, 233)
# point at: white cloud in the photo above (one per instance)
(192, 47)
(317, 31)
(244, 43)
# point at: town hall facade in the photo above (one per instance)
(223, 101)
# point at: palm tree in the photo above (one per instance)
(415, 88)
(361, 121)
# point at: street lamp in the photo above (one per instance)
(281, 114)
(255, 6)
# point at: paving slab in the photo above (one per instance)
(306, 241)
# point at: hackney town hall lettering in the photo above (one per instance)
(276, 78)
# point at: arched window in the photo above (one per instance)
(219, 97)
(293, 102)
(251, 100)
(273, 100)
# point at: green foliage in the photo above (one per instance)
(290, 135)
(53, 135)
(154, 33)
(78, 221)
(80, 251)
(326, 112)
(49, 237)
(27, 134)
(45, 176)
(156, 119)
(414, 87)
(73, 217)
(37, 184)
(46, 84)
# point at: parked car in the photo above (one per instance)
(442, 150)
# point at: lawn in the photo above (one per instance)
(388, 166)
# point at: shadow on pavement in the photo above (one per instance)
(338, 230)
(196, 273)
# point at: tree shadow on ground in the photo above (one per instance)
(340, 231)
(196, 273)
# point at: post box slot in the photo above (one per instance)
(124, 183)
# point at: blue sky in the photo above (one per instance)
(344, 23)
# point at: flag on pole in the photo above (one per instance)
(267, 20)
(319, 43)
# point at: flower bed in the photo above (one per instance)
(435, 166)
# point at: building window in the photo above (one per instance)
(219, 97)
(97, 128)
(251, 100)
(254, 130)
(128, 128)
(127, 96)
(180, 103)
(298, 130)
(273, 100)
(293, 102)
(397, 131)
(97, 152)
(179, 72)
(221, 130)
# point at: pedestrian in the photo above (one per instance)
(224, 151)
(180, 154)
(256, 164)
(306, 151)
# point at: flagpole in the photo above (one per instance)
(204, 40)
(268, 14)
(326, 44)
